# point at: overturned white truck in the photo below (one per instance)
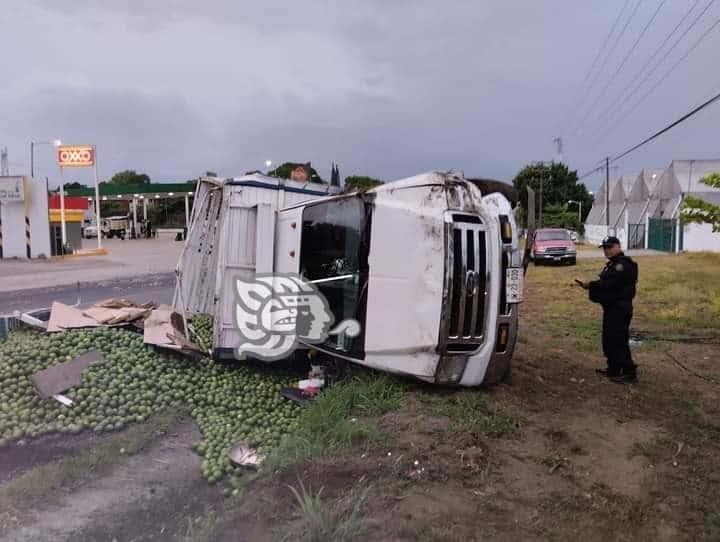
(429, 266)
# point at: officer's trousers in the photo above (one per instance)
(616, 338)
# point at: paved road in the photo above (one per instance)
(126, 259)
(158, 288)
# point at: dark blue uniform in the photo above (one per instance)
(615, 291)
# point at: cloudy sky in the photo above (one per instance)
(387, 88)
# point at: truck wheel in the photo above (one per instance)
(536, 262)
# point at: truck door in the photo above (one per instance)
(334, 247)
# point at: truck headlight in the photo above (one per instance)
(450, 369)
(572, 250)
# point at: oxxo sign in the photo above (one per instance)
(75, 156)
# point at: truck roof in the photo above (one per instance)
(275, 183)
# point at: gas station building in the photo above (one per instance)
(139, 197)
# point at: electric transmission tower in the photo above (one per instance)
(4, 169)
(559, 146)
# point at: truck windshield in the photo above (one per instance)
(553, 236)
(333, 255)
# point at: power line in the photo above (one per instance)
(669, 126)
(619, 97)
(657, 134)
(594, 63)
(667, 74)
(588, 173)
(624, 98)
(624, 61)
(612, 49)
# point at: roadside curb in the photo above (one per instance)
(82, 254)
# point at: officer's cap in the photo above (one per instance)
(610, 241)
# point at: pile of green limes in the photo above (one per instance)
(133, 382)
(202, 325)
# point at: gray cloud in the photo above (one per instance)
(176, 87)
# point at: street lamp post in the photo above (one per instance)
(33, 144)
(579, 208)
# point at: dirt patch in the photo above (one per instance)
(609, 452)
(18, 457)
(150, 496)
(167, 514)
(268, 511)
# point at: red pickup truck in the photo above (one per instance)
(553, 245)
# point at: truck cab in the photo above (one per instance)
(423, 265)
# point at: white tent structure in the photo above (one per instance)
(645, 209)
(638, 201)
(680, 179)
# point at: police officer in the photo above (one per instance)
(615, 290)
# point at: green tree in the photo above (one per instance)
(361, 182)
(75, 185)
(700, 211)
(284, 171)
(559, 185)
(129, 176)
(559, 216)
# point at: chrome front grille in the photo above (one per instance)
(555, 250)
(466, 283)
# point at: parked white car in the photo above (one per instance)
(89, 231)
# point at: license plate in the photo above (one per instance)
(514, 285)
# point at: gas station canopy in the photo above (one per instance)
(128, 192)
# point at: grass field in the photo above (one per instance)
(554, 453)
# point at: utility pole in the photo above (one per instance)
(579, 203)
(607, 194)
(540, 218)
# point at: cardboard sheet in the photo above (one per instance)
(115, 316)
(63, 376)
(64, 317)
